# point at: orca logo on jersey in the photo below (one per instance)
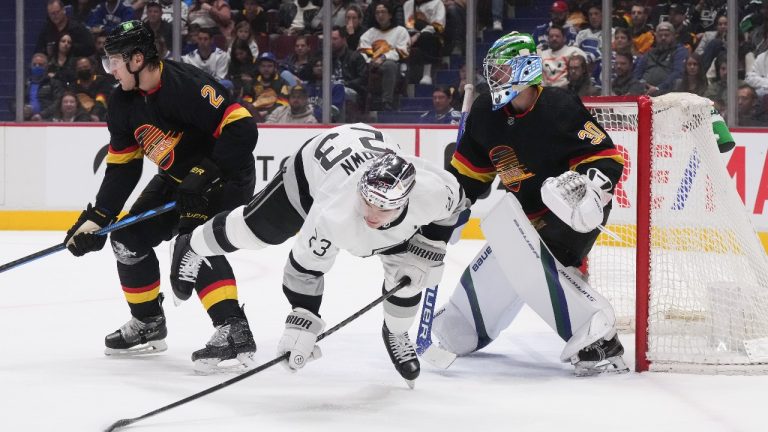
(511, 171)
(158, 145)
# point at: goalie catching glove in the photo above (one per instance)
(80, 238)
(578, 199)
(299, 338)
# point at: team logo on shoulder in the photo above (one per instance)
(158, 145)
(511, 171)
(591, 132)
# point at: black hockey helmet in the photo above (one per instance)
(131, 37)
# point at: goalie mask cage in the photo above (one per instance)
(689, 273)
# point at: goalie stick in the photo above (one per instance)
(122, 223)
(431, 353)
(126, 422)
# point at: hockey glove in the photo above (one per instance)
(80, 238)
(422, 262)
(299, 338)
(191, 195)
(578, 199)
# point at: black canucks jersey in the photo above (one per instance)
(189, 116)
(524, 149)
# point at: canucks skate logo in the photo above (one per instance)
(158, 145)
(511, 171)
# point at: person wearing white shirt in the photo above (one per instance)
(208, 57)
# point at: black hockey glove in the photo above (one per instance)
(80, 238)
(191, 196)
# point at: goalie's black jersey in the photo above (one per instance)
(189, 116)
(524, 149)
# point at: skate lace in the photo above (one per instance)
(190, 266)
(401, 347)
(132, 328)
(220, 336)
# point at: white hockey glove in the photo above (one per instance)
(578, 199)
(299, 337)
(422, 262)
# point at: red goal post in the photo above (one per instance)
(687, 271)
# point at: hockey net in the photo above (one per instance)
(685, 268)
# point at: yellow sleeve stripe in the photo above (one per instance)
(485, 177)
(125, 156)
(616, 157)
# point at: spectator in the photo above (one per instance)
(693, 80)
(384, 46)
(622, 42)
(353, 27)
(349, 70)
(749, 111)
(579, 80)
(577, 14)
(624, 83)
(297, 67)
(256, 17)
(208, 57)
(190, 41)
(757, 78)
(58, 24)
(442, 112)
(244, 33)
(425, 23)
(62, 65)
(717, 88)
(456, 90)
(759, 34)
(108, 15)
(241, 61)
(140, 10)
(642, 32)
(213, 15)
(296, 16)
(555, 58)
(269, 90)
(155, 22)
(455, 26)
(162, 48)
(712, 43)
(92, 90)
(705, 14)
(396, 11)
(298, 109)
(338, 15)
(79, 10)
(497, 12)
(68, 109)
(678, 19)
(590, 40)
(315, 91)
(663, 64)
(41, 90)
(558, 14)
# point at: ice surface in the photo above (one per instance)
(55, 312)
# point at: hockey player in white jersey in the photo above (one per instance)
(348, 188)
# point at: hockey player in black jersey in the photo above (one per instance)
(561, 168)
(185, 122)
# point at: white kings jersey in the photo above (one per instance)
(322, 180)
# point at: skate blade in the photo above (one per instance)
(151, 347)
(438, 356)
(411, 383)
(612, 365)
(242, 363)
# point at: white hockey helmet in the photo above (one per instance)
(387, 182)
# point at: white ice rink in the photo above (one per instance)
(55, 312)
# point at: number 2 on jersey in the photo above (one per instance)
(210, 93)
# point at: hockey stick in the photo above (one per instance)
(433, 354)
(103, 231)
(126, 422)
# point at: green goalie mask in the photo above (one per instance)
(510, 66)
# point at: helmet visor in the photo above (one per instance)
(110, 63)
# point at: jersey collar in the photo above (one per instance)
(508, 107)
(154, 90)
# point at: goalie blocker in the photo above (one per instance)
(557, 293)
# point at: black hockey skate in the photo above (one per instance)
(137, 337)
(232, 340)
(403, 354)
(185, 266)
(603, 356)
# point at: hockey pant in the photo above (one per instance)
(137, 264)
(515, 267)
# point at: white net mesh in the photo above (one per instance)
(708, 294)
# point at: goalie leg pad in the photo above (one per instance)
(482, 306)
(556, 293)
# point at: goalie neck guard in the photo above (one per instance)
(387, 182)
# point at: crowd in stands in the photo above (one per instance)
(267, 52)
